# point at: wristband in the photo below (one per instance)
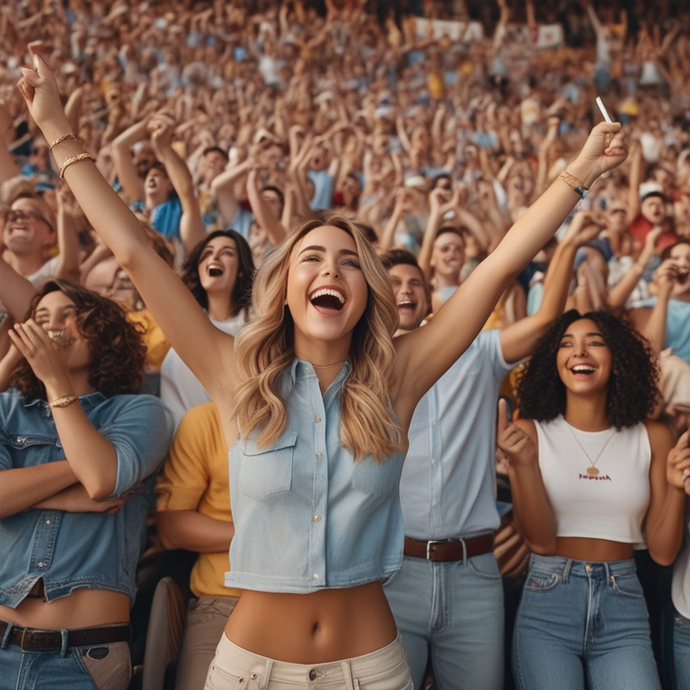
(64, 401)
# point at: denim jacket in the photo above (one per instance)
(307, 516)
(79, 550)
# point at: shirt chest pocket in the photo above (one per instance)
(32, 449)
(267, 471)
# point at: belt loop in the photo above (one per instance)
(347, 675)
(566, 570)
(6, 635)
(64, 649)
(464, 552)
(266, 674)
(608, 572)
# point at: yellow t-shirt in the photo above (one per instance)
(195, 477)
(156, 344)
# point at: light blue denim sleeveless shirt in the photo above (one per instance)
(307, 516)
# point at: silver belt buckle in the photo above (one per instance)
(428, 547)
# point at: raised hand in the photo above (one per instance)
(45, 355)
(512, 440)
(605, 148)
(40, 91)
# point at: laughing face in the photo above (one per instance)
(157, 187)
(584, 358)
(410, 293)
(218, 265)
(56, 313)
(26, 231)
(680, 254)
(326, 290)
(448, 256)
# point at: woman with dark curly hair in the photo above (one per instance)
(74, 444)
(592, 478)
(219, 273)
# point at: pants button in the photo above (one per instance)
(312, 674)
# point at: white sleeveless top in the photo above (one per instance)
(609, 502)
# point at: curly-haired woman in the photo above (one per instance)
(592, 478)
(74, 444)
(315, 398)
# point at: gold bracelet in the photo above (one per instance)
(63, 401)
(64, 137)
(73, 159)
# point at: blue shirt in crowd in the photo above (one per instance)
(79, 550)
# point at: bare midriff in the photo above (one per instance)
(595, 550)
(323, 626)
(84, 608)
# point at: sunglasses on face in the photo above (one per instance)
(11, 216)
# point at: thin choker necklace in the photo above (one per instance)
(592, 469)
(328, 366)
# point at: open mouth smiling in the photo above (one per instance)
(60, 339)
(328, 299)
(583, 369)
(215, 271)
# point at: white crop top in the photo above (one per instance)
(611, 500)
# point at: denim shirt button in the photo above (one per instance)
(318, 419)
(21, 440)
(315, 576)
(47, 522)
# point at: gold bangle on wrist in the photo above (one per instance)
(64, 137)
(73, 159)
(63, 401)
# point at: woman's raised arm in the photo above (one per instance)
(204, 348)
(427, 353)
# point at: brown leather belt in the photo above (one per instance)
(30, 639)
(449, 549)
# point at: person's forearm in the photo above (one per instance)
(532, 509)
(91, 456)
(22, 488)
(16, 292)
(194, 531)
(655, 328)
(665, 536)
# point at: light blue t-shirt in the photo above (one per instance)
(323, 188)
(307, 516)
(242, 222)
(448, 484)
(677, 326)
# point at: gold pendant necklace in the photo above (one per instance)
(592, 469)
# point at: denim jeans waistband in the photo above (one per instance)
(568, 567)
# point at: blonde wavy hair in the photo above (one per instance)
(264, 349)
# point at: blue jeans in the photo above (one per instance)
(583, 623)
(76, 668)
(453, 610)
(681, 651)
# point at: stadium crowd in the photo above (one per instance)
(431, 127)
